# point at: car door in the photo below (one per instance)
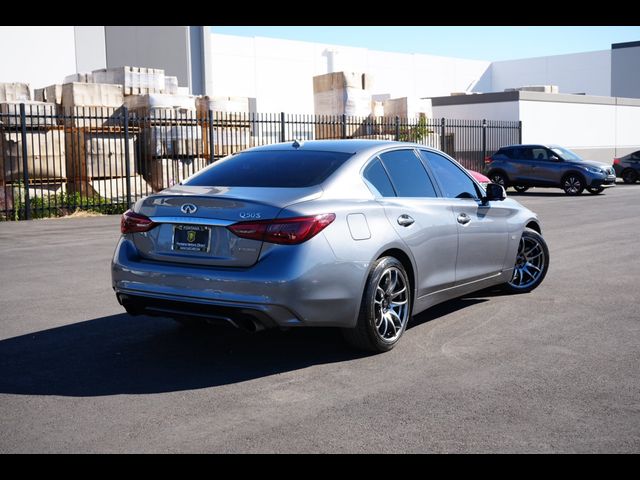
(482, 229)
(521, 165)
(547, 168)
(423, 221)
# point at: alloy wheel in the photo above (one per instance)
(572, 185)
(391, 307)
(499, 179)
(530, 263)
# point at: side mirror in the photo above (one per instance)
(554, 158)
(495, 192)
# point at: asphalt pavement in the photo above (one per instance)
(555, 370)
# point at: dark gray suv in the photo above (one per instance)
(524, 166)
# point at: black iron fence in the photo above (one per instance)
(53, 162)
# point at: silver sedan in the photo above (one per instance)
(356, 234)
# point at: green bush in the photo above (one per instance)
(62, 204)
(415, 133)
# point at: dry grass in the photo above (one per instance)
(77, 214)
(84, 213)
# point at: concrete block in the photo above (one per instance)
(342, 80)
(51, 94)
(134, 80)
(14, 92)
(37, 114)
(176, 140)
(407, 107)
(91, 154)
(45, 155)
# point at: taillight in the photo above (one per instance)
(487, 160)
(616, 161)
(132, 222)
(285, 231)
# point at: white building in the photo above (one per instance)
(598, 127)
(278, 72)
(278, 75)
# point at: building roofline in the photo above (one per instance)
(515, 96)
(615, 46)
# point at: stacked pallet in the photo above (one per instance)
(96, 142)
(342, 93)
(231, 124)
(76, 131)
(407, 107)
(134, 80)
(171, 144)
(39, 135)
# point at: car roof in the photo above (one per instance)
(345, 146)
(532, 145)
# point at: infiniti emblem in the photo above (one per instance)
(188, 208)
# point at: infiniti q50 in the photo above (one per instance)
(356, 234)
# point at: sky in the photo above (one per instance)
(470, 42)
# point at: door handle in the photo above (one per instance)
(463, 218)
(405, 220)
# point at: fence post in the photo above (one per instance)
(484, 139)
(343, 129)
(520, 132)
(25, 163)
(127, 167)
(397, 128)
(211, 145)
(282, 137)
(442, 125)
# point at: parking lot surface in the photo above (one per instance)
(556, 370)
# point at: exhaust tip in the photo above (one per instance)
(249, 324)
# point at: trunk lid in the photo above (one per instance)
(193, 220)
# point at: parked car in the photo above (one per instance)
(524, 166)
(480, 178)
(628, 167)
(357, 234)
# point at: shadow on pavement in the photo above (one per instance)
(446, 308)
(542, 193)
(119, 354)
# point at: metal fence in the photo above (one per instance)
(55, 161)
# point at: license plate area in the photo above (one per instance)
(191, 238)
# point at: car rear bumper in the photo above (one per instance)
(284, 289)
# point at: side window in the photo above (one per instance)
(454, 182)
(525, 154)
(377, 177)
(408, 175)
(507, 152)
(540, 154)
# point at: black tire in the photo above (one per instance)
(366, 335)
(520, 188)
(499, 178)
(572, 184)
(629, 176)
(537, 259)
(595, 190)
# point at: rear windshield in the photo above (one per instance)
(272, 168)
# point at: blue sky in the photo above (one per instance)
(473, 42)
